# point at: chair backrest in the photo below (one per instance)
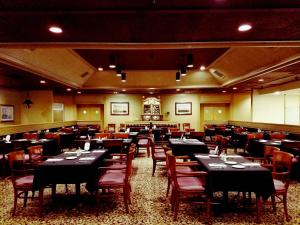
(51, 136)
(186, 126)
(277, 135)
(35, 153)
(66, 130)
(113, 145)
(111, 127)
(268, 153)
(120, 135)
(130, 157)
(282, 163)
(122, 125)
(259, 135)
(16, 159)
(102, 135)
(218, 139)
(173, 129)
(189, 129)
(30, 136)
(251, 136)
(197, 135)
(176, 134)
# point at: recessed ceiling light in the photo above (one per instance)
(202, 68)
(123, 89)
(100, 68)
(69, 89)
(151, 93)
(177, 89)
(261, 80)
(277, 92)
(224, 91)
(234, 88)
(42, 81)
(151, 88)
(55, 29)
(79, 92)
(244, 27)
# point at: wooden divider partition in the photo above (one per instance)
(20, 128)
(267, 126)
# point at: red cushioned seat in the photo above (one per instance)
(142, 142)
(25, 181)
(279, 185)
(116, 178)
(190, 184)
(160, 155)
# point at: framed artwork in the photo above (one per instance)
(183, 108)
(119, 108)
(6, 113)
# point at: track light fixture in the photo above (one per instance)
(112, 62)
(123, 77)
(190, 61)
(183, 70)
(177, 76)
(119, 71)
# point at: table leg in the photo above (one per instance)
(258, 207)
(41, 198)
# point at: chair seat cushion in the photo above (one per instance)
(143, 142)
(190, 184)
(117, 166)
(160, 155)
(279, 185)
(113, 179)
(185, 169)
(25, 181)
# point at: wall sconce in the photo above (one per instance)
(27, 103)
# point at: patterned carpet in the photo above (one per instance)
(149, 205)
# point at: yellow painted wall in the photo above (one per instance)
(15, 98)
(240, 107)
(69, 106)
(41, 109)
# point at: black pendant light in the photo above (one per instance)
(183, 70)
(112, 62)
(123, 77)
(119, 71)
(178, 76)
(190, 61)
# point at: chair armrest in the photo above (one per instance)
(191, 163)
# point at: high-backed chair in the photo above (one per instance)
(120, 135)
(197, 135)
(30, 136)
(102, 135)
(277, 136)
(22, 178)
(113, 145)
(158, 155)
(268, 156)
(143, 142)
(188, 183)
(186, 126)
(282, 162)
(118, 179)
(177, 134)
(122, 127)
(173, 129)
(35, 154)
(111, 127)
(259, 135)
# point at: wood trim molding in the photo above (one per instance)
(20, 128)
(267, 126)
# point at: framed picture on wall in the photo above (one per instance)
(6, 113)
(183, 108)
(119, 108)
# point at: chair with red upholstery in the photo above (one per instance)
(102, 135)
(277, 136)
(268, 156)
(177, 134)
(111, 127)
(259, 135)
(173, 129)
(282, 162)
(187, 184)
(120, 135)
(30, 136)
(197, 135)
(117, 178)
(143, 142)
(186, 126)
(158, 155)
(35, 154)
(22, 178)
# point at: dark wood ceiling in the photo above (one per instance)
(143, 21)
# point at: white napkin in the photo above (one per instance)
(250, 164)
(86, 158)
(54, 160)
(7, 138)
(98, 151)
(202, 156)
(217, 165)
(233, 156)
(87, 146)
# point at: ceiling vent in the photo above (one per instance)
(84, 74)
(216, 73)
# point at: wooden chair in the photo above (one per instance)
(111, 127)
(173, 129)
(113, 145)
(186, 126)
(22, 178)
(122, 127)
(158, 155)
(177, 134)
(30, 136)
(144, 142)
(187, 184)
(120, 135)
(277, 136)
(102, 135)
(259, 135)
(282, 162)
(35, 154)
(197, 135)
(268, 156)
(117, 178)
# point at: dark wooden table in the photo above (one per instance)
(187, 146)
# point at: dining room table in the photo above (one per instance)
(234, 173)
(187, 146)
(74, 167)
